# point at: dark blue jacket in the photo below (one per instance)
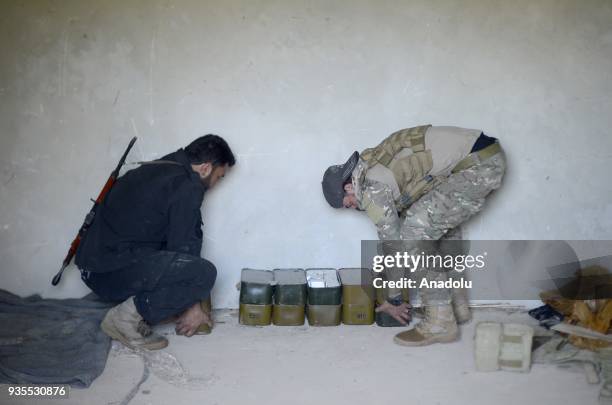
(153, 207)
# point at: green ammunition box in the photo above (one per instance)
(289, 297)
(256, 287)
(290, 287)
(206, 306)
(383, 319)
(324, 287)
(357, 296)
(255, 315)
(386, 320)
(288, 315)
(324, 315)
(383, 293)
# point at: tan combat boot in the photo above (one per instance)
(124, 323)
(461, 306)
(438, 326)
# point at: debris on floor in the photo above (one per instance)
(503, 346)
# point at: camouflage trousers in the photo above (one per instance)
(432, 225)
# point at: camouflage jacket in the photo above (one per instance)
(376, 199)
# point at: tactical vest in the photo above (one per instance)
(411, 172)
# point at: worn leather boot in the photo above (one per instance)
(460, 306)
(124, 323)
(438, 326)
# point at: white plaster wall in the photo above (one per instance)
(295, 86)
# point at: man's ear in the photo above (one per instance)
(203, 169)
(207, 169)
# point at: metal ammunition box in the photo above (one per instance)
(206, 306)
(255, 315)
(288, 315)
(324, 287)
(383, 319)
(290, 287)
(357, 296)
(256, 287)
(324, 315)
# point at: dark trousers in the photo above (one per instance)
(163, 283)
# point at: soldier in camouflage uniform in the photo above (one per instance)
(418, 186)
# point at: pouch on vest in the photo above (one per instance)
(411, 172)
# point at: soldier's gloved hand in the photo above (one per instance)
(401, 312)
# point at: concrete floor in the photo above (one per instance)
(335, 365)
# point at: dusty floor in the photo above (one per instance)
(335, 365)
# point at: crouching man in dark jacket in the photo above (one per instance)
(144, 245)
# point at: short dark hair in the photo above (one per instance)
(210, 149)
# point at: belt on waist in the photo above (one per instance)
(477, 157)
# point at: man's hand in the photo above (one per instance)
(401, 312)
(188, 323)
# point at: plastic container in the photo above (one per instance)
(357, 296)
(503, 346)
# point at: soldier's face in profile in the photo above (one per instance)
(349, 200)
(215, 176)
(210, 175)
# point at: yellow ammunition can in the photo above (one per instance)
(288, 315)
(324, 315)
(255, 314)
(357, 296)
(206, 306)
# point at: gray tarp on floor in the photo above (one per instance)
(51, 341)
